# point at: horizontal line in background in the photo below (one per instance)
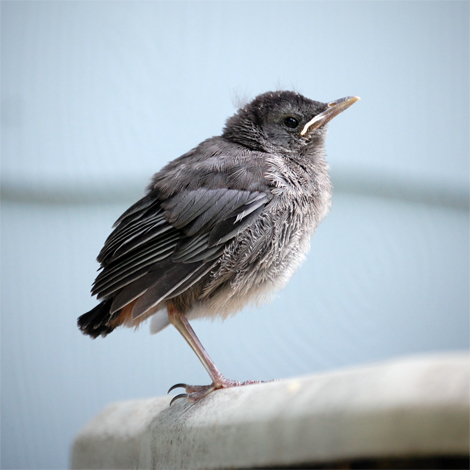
(402, 189)
(74, 194)
(393, 188)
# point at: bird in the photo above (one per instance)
(224, 225)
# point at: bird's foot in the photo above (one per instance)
(195, 392)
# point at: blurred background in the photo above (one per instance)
(97, 96)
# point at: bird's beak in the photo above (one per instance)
(332, 110)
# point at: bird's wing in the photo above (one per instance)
(159, 249)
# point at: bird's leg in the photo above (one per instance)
(196, 392)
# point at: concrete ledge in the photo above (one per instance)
(414, 407)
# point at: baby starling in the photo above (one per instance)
(223, 225)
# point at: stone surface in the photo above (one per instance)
(410, 407)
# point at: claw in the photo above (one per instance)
(177, 386)
(181, 395)
(195, 393)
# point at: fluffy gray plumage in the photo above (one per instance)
(223, 225)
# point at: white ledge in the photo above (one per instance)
(412, 407)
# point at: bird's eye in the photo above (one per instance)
(291, 122)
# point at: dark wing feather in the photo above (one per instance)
(145, 213)
(207, 230)
(128, 269)
(128, 233)
(228, 228)
(160, 249)
(160, 280)
(140, 206)
(170, 285)
(238, 220)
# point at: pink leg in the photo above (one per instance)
(196, 392)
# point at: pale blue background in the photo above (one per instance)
(96, 96)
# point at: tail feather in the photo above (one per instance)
(96, 322)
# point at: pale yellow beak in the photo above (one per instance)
(334, 108)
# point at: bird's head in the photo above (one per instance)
(283, 121)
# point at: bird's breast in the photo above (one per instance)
(263, 257)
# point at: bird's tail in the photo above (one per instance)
(96, 322)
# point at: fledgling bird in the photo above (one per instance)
(223, 225)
